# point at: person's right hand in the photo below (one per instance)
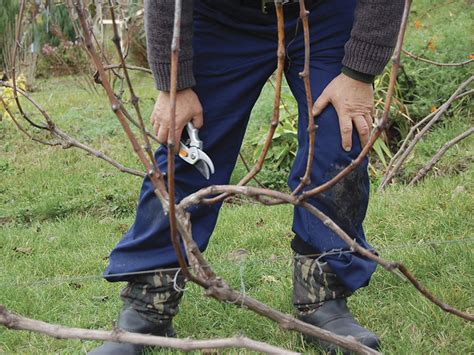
(188, 108)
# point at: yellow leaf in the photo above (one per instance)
(433, 108)
(431, 46)
(417, 24)
(39, 19)
(269, 279)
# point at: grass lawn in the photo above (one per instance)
(61, 212)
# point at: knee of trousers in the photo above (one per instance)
(155, 296)
(314, 283)
(346, 202)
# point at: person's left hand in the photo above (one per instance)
(354, 102)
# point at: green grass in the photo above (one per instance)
(61, 212)
(50, 271)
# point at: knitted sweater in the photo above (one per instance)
(373, 37)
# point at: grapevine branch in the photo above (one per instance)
(257, 193)
(133, 98)
(306, 179)
(14, 321)
(64, 140)
(247, 167)
(14, 56)
(435, 117)
(155, 175)
(276, 104)
(129, 67)
(383, 122)
(180, 218)
(205, 276)
(171, 144)
(424, 170)
(421, 59)
(12, 116)
(415, 128)
(199, 197)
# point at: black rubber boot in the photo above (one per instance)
(320, 299)
(334, 316)
(131, 321)
(150, 303)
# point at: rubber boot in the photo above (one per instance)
(320, 299)
(150, 303)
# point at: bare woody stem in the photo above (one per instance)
(155, 177)
(424, 170)
(133, 98)
(215, 286)
(218, 289)
(416, 127)
(285, 321)
(421, 59)
(306, 179)
(171, 140)
(276, 103)
(436, 116)
(12, 116)
(65, 140)
(14, 56)
(14, 321)
(381, 126)
(247, 167)
(199, 197)
(129, 67)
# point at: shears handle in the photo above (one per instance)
(193, 133)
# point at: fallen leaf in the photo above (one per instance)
(458, 190)
(5, 220)
(238, 254)
(417, 24)
(105, 174)
(269, 278)
(21, 250)
(122, 228)
(210, 352)
(432, 46)
(471, 56)
(101, 298)
(433, 108)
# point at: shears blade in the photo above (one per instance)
(198, 158)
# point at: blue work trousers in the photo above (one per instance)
(235, 49)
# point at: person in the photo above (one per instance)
(228, 52)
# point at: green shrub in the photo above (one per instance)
(65, 59)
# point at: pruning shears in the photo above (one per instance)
(191, 152)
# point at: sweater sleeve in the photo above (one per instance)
(373, 36)
(159, 18)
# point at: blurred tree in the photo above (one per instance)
(8, 12)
